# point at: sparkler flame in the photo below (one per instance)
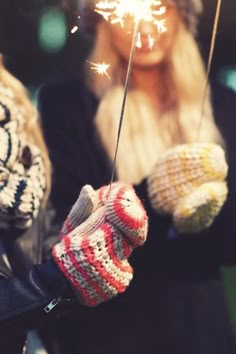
(100, 68)
(115, 11)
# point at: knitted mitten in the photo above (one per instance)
(94, 256)
(188, 182)
(10, 148)
(22, 174)
(21, 190)
(11, 111)
(87, 202)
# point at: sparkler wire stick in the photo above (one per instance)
(129, 68)
(211, 52)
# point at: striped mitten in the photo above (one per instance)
(188, 182)
(94, 256)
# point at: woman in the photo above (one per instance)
(176, 302)
(89, 265)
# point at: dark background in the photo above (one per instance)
(33, 64)
(19, 32)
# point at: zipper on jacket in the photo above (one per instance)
(54, 303)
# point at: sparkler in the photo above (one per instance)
(134, 41)
(116, 11)
(100, 68)
(140, 10)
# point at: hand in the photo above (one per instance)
(94, 256)
(188, 182)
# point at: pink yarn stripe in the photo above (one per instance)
(67, 226)
(127, 248)
(125, 218)
(74, 282)
(99, 266)
(111, 250)
(99, 292)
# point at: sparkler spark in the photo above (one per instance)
(151, 41)
(115, 11)
(74, 29)
(139, 42)
(100, 68)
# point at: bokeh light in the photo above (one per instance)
(52, 30)
(227, 76)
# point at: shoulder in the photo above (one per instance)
(69, 96)
(60, 90)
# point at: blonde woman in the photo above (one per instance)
(176, 302)
(74, 271)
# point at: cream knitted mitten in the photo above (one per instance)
(22, 172)
(94, 256)
(188, 182)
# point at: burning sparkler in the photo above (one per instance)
(100, 68)
(116, 11)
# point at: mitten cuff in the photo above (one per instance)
(95, 264)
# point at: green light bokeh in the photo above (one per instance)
(52, 30)
(227, 76)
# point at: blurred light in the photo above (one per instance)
(52, 30)
(227, 77)
(33, 94)
(74, 29)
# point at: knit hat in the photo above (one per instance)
(94, 256)
(189, 11)
(188, 182)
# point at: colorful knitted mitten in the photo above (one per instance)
(94, 256)
(188, 182)
(22, 174)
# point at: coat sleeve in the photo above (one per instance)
(26, 300)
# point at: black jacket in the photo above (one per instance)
(28, 292)
(175, 303)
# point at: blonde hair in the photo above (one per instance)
(32, 129)
(180, 120)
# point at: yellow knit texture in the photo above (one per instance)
(188, 182)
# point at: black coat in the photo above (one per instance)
(175, 304)
(27, 287)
